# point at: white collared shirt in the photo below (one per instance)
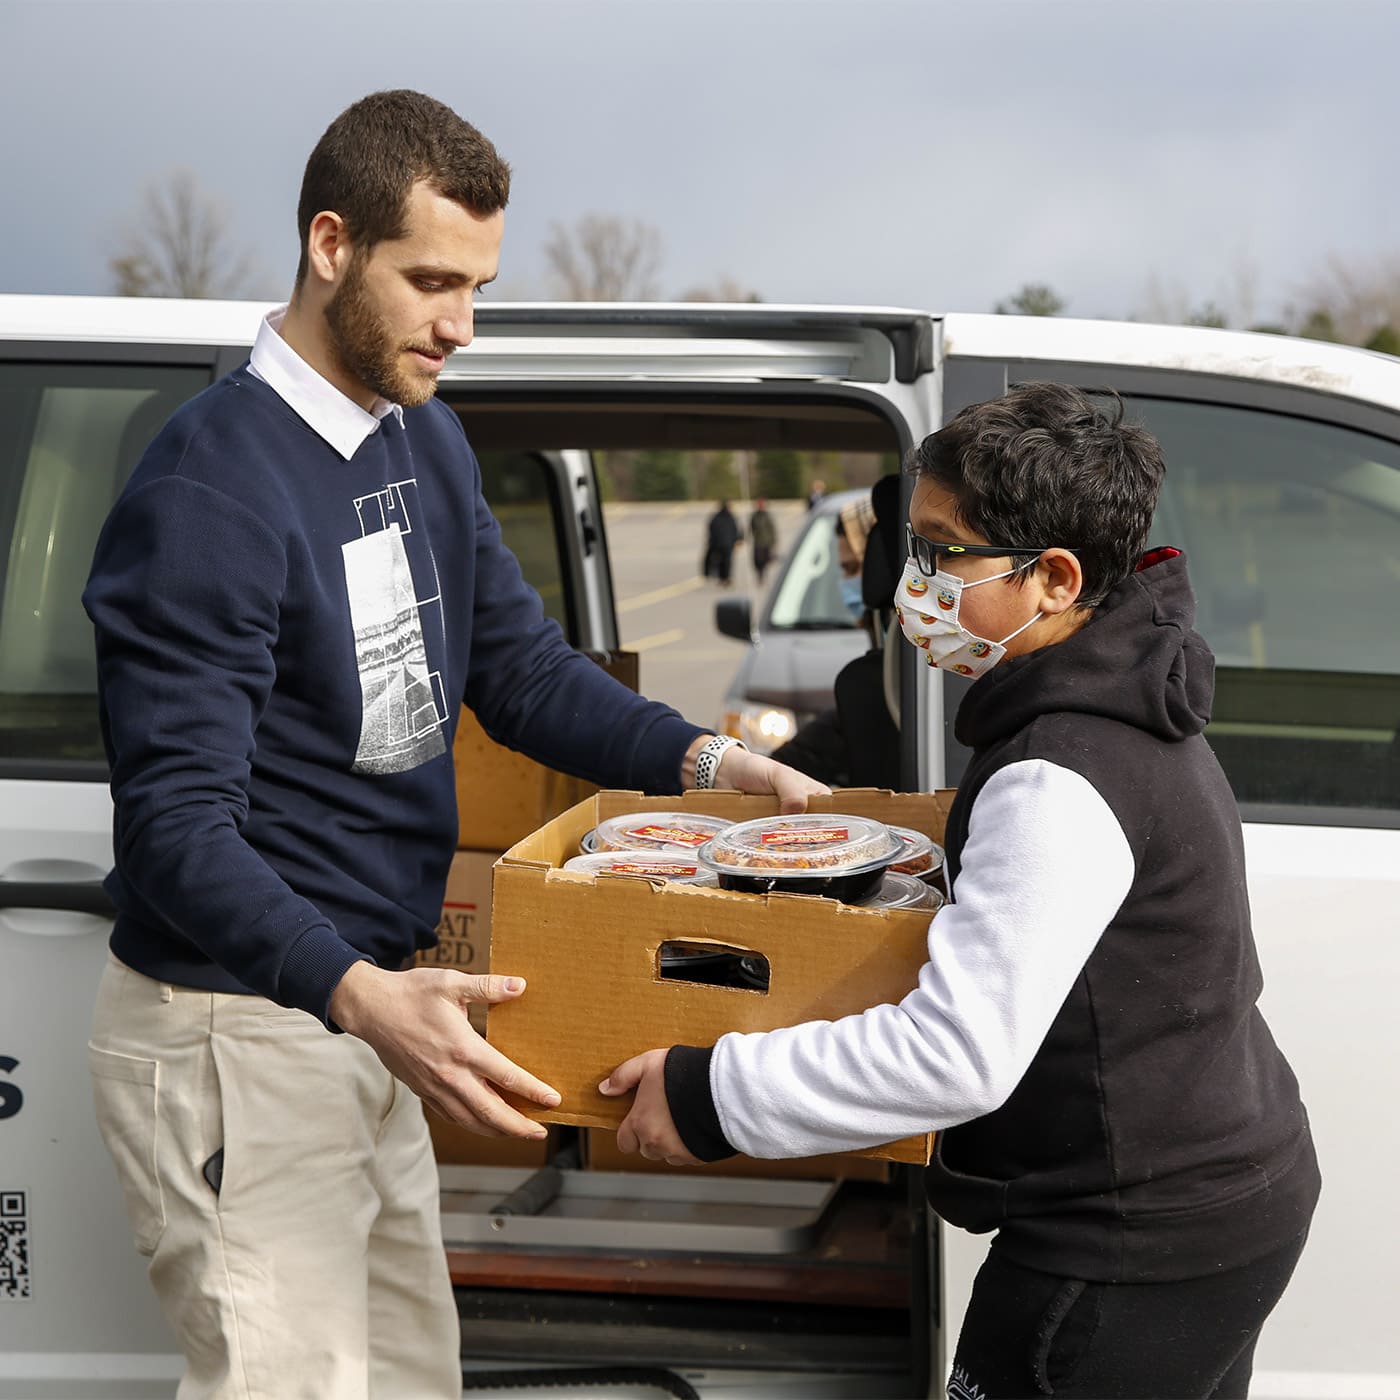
(310, 395)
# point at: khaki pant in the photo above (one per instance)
(317, 1270)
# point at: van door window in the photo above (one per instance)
(1292, 530)
(522, 489)
(69, 437)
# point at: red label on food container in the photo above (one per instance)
(623, 867)
(677, 836)
(805, 836)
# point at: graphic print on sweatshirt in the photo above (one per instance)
(404, 707)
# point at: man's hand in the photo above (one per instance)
(648, 1128)
(754, 772)
(416, 1022)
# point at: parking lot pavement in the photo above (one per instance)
(666, 609)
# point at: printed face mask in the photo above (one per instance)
(928, 610)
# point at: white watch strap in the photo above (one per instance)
(707, 761)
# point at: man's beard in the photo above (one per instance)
(367, 351)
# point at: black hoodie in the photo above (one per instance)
(1158, 1132)
(1085, 1033)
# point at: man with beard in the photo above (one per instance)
(293, 595)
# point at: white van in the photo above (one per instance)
(1284, 489)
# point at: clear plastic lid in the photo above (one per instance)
(901, 891)
(921, 856)
(666, 865)
(657, 831)
(804, 845)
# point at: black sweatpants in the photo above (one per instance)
(1028, 1334)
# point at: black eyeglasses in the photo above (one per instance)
(925, 553)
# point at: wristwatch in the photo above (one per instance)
(707, 761)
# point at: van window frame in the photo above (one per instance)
(552, 468)
(466, 391)
(97, 355)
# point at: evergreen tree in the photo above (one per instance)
(660, 474)
(778, 474)
(1034, 299)
(1319, 325)
(1385, 340)
(719, 480)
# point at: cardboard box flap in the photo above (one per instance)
(589, 950)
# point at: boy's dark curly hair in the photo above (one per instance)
(1048, 465)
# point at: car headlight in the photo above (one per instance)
(762, 727)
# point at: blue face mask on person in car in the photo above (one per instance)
(850, 596)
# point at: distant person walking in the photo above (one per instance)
(815, 495)
(722, 533)
(763, 538)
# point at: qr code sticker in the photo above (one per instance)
(14, 1246)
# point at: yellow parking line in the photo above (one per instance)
(660, 595)
(657, 639)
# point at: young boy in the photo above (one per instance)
(1084, 1035)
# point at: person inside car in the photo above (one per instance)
(856, 742)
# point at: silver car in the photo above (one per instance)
(803, 636)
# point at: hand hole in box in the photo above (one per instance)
(712, 965)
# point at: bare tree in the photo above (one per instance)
(1168, 302)
(177, 245)
(727, 289)
(1351, 302)
(605, 258)
(1164, 302)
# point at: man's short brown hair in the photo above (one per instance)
(377, 149)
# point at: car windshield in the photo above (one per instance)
(809, 593)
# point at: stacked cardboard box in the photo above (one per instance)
(502, 797)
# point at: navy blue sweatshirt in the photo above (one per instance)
(284, 640)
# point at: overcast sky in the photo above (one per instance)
(897, 152)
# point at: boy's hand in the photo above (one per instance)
(416, 1022)
(648, 1128)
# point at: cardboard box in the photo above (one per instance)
(590, 950)
(464, 943)
(502, 796)
(464, 931)
(601, 1154)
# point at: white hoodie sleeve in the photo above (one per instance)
(1043, 872)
